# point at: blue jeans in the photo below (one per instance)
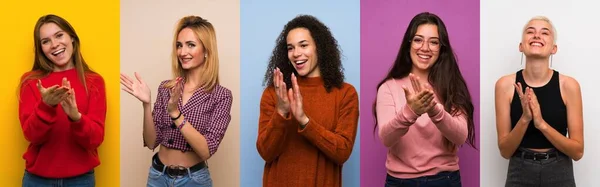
(442, 179)
(200, 178)
(85, 180)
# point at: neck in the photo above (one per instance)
(422, 74)
(192, 77)
(537, 70)
(67, 66)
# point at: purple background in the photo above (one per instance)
(383, 23)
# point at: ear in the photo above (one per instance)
(554, 49)
(520, 47)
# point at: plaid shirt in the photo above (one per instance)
(209, 114)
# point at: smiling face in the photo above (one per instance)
(190, 50)
(57, 46)
(425, 47)
(538, 39)
(302, 52)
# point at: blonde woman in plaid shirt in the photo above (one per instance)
(191, 112)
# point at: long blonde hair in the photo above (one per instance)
(204, 30)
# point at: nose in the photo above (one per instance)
(425, 46)
(296, 53)
(181, 52)
(54, 43)
(536, 35)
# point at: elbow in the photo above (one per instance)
(578, 156)
(505, 155)
(504, 152)
(343, 157)
(264, 153)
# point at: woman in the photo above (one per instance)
(306, 132)
(535, 109)
(62, 108)
(424, 109)
(191, 112)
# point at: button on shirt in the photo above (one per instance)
(207, 112)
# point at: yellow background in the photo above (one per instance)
(97, 24)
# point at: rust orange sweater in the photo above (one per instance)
(312, 156)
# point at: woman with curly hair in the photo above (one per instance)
(306, 132)
(424, 109)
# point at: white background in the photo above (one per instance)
(578, 43)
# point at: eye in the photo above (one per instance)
(417, 40)
(44, 42)
(59, 35)
(304, 45)
(191, 45)
(178, 45)
(434, 43)
(529, 32)
(289, 48)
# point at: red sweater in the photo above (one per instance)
(59, 147)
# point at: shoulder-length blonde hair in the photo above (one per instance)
(205, 31)
(42, 66)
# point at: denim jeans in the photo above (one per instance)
(442, 179)
(200, 178)
(84, 180)
(556, 171)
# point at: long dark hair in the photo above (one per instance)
(444, 75)
(328, 53)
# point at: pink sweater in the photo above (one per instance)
(415, 143)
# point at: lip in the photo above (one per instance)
(536, 44)
(185, 60)
(424, 58)
(58, 52)
(300, 63)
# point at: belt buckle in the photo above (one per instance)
(546, 156)
(172, 168)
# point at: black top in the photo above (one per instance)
(552, 107)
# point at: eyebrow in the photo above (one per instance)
(187, 42)
(51, 35)
(424, 36)
(541, 29)
(303, 41)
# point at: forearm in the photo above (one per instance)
(196, 140)
(510, 143)
(149, 129)
(570, 147)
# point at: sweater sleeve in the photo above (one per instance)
(271, 127)
(452, 127)
(36, 116)
(336, 144)
(89, 130)
(393, 121)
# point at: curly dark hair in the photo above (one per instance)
(328, 53)
(444, 76)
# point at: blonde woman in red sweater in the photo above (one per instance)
(62, 108)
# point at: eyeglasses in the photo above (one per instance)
(433, 44)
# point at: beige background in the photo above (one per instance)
(147, 28)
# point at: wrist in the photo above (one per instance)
(175, 115)
(283, 113)
(303, 121)
(75, 117)
(525, 119)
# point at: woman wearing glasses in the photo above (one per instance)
(423, 108)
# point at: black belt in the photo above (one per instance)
(174, 171)
(536, 156)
